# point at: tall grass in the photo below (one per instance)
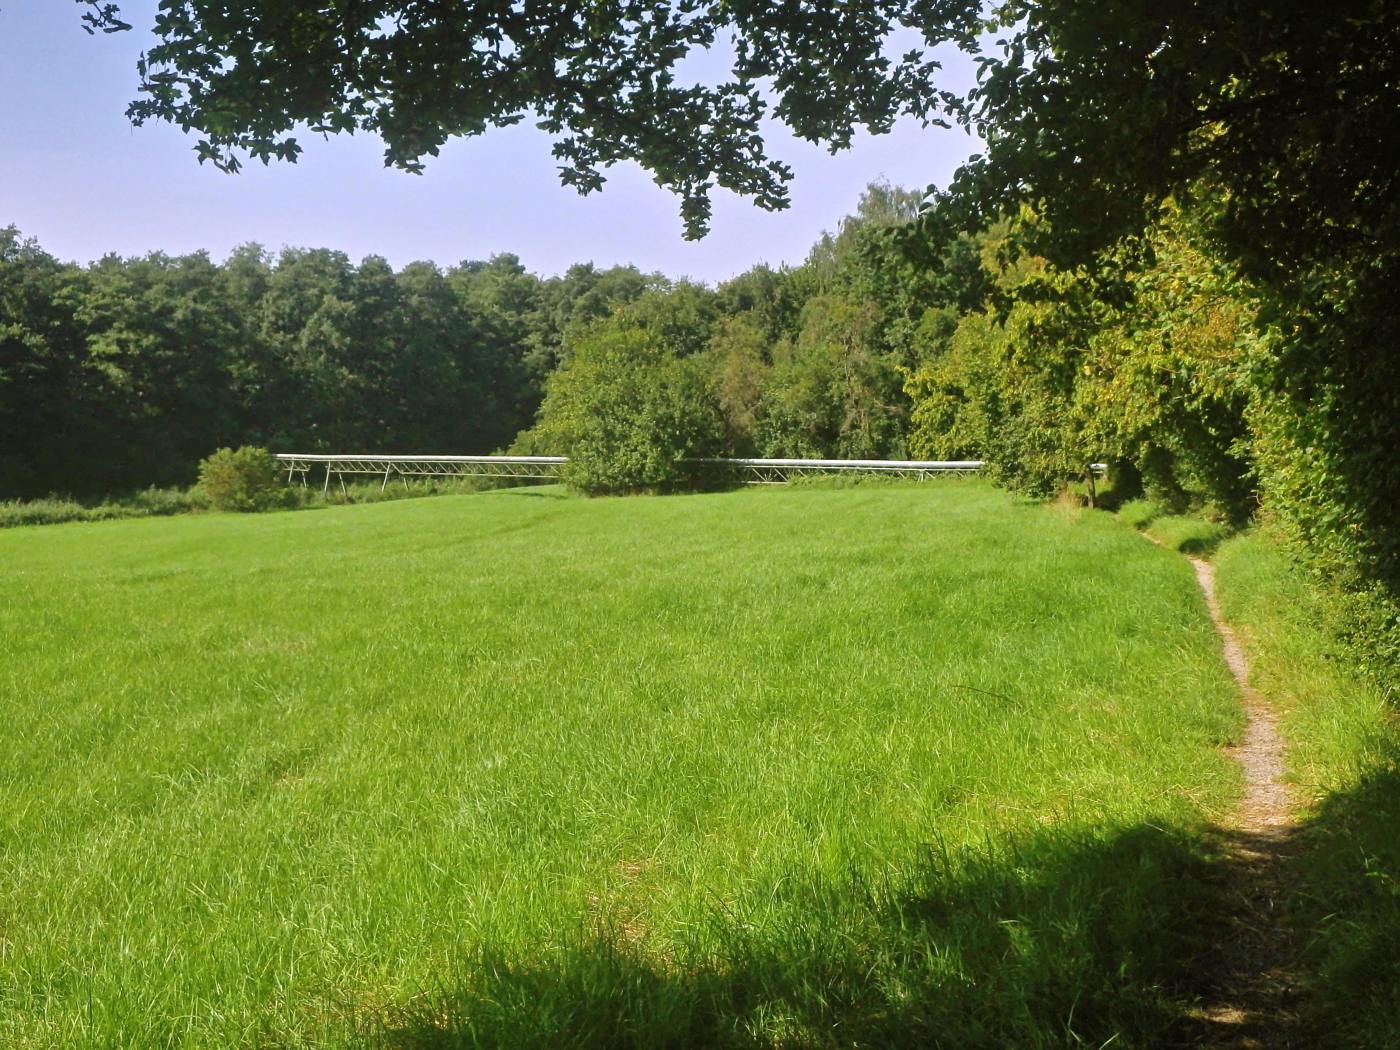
(57, 510)
(797, 767)
(155, 502)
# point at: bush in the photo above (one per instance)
(40, 512)
(244, 479)
(629, 414)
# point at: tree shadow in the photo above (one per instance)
(1053, 939)
(552, 491)
(1252, 985)
(1200, 546)
(1344, 870)
(1140, 936)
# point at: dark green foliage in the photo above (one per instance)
(835, 391)
(679, 316)
(1326, 422)
(740, 359)
(45, 390)
(799, 361)
(1284, 115)
(1150, 370)
(1004, 388)
(563, 306)
(768, 298)
(128, 372)
(242, 479)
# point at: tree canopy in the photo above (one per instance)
(1096, 112)
(606, 78)
(1289, 107)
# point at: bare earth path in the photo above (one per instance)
(1251, 1004)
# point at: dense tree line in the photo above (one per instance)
(126, 372)
(804, 361)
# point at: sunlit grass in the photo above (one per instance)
(636, 771)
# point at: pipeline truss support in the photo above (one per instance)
(781, 471)
(547, 468)
(386, 467)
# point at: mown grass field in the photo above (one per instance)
(875, 766)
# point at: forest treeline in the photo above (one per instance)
(898, 336)
(126, 372)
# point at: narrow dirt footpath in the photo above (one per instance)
(1251, 1002)
(1267, 802)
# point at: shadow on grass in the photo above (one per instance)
(531, 492)
(1137, 937)
(1201, 546)
(1187, 534)
(1346, 910)
(1056, 940)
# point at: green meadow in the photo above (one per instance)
(889, 765)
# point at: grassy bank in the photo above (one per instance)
(874, 766)
(1343, 744)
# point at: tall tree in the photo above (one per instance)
(41, 369)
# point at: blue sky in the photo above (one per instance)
(77, 176)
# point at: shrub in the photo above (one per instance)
(629, 413)
(57, 510)
(40, 512)
(244, 479)
(157, 502)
